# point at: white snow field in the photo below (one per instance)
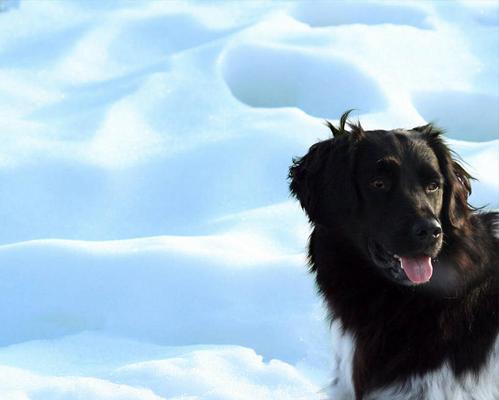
(148, 245)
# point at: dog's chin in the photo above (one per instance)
(409, 270)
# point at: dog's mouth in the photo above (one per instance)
(411, 270)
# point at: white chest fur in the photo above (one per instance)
(438, 385)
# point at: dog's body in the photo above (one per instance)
(408, 270)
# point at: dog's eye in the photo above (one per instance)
(377, 184)
(432, 187)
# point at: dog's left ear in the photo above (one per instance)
(457, 186)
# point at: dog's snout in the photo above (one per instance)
(426, 230)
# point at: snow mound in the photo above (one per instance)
(361, 12)
(126, 369)
(18, 384)
(320, 85)
(465, 116)
(240, 290)
(225, 374)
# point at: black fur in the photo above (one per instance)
(401, 330)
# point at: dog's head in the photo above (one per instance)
(394, 195)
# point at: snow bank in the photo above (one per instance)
(122, 368)
(263, 76)
(362, 12)
(462, 113)
(22, 385)
(229, 288)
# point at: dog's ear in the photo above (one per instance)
(305, 175)
(457, 185)
(323, 180)
(458, 188)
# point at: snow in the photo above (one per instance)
(264, 76)
(149, 248)
(221, 372)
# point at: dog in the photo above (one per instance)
(408, 270)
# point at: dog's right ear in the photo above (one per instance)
(325, 175)
(305, 175)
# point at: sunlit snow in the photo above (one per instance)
(148, 246)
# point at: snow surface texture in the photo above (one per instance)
(149, 249)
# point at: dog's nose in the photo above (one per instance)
(426, 230)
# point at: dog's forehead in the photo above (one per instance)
(399, 145)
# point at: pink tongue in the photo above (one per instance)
(418, 269)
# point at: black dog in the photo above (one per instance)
(408, 269)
